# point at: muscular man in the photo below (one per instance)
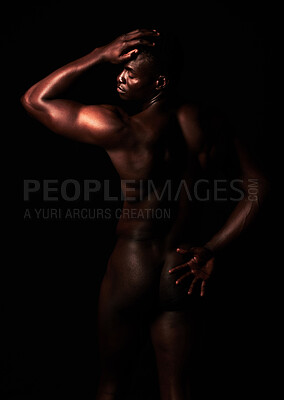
(157, 270)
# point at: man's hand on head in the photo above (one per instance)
(126, 46)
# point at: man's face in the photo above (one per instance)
(137, 81)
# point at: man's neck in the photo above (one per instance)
(151, 104)
(157, 98)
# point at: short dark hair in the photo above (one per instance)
(167, 55)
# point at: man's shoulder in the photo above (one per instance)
(117, 113)
(108, 116)
(103, 123)
(187, 110)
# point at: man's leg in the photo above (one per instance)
(176, 334)
(117, 334)
(127, 293)
(173, 337)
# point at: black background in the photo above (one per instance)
(55, 266)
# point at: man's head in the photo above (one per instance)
(150, 72)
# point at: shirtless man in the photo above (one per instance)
(156, 267)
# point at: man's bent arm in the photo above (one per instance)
(54, 84)
(247, 209)
(92, 124)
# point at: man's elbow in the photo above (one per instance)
(32, 99)
(257, 188)
(26, 101)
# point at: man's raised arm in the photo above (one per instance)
(91, 124)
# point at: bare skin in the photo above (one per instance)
(153, 267)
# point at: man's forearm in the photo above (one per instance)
(242, 217)
(58, 81)
(238, 221)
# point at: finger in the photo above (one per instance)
(140, 33)
(182, 251)
(203, 286)
(128, 55)
(193, 283)
(136, 31)
(178, 267)
(138, 42)
(184, 276)
(193, 262)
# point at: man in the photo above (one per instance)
(157, 266)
